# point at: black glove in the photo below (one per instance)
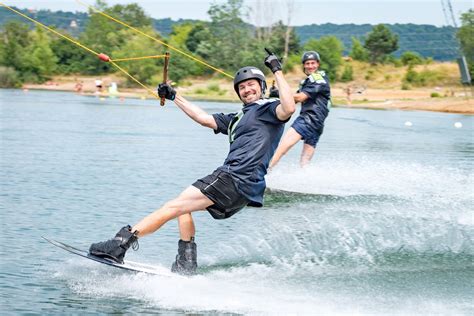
(272, 61)
(274, 93)
(166, 91)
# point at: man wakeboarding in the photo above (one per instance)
(315, 97)
(254, 133)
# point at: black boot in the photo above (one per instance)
(115, 248)
(186, 260)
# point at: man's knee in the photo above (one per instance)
(175, 207)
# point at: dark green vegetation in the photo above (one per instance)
(29, 53)
(466, 38)
(438, 43)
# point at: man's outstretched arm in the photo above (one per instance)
(193, 111)
(196, 113)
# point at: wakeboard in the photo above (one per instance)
(127, 265)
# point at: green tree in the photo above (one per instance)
(144, 70)
(105, 36)
(380, 43)
(466, 38)
(347, 73)
(28, 53)
(180, 65)
(293, 60)
(9, 78)
(132, 14)
(411, 58)
(358, 52)
(198, 34)
(330, 49)
(96, 36)
(232, 38)
(412, 76)
(200, 42)
(277, 39)
(40, 61)
(70, 56)
(14, 40)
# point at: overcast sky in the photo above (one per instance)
(304, 12)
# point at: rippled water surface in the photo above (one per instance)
(382, 223)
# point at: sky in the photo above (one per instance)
(269, 11)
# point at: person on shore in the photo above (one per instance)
(253, 132)
(315, 97)
(78, 87)
(113, 89)
(98, 86)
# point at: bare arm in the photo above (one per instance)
(287, 103)
(300, 97)
(196, 113)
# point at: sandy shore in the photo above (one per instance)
(454, 100)
(451, 99)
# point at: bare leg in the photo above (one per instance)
(186, 227)
(190, 200)
(290, 138)
(306, 154)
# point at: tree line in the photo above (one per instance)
(226, 42)
(440, 43)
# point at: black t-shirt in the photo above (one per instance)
(254, 134)
(316, 87)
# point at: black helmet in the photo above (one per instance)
(247, 73)
(311, 55)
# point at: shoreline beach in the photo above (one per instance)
(447, 99)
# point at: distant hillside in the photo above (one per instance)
(428, 40)
(73, 23)
(164, 26)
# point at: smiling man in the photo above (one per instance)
(254, 133)
(315, 97)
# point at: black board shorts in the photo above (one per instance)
(220, 188)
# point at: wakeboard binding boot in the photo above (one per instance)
(186, 260)
(116, 248)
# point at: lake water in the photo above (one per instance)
(383, 224)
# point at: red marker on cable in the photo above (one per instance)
(103, 57)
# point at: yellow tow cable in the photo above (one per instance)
(138, 58)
